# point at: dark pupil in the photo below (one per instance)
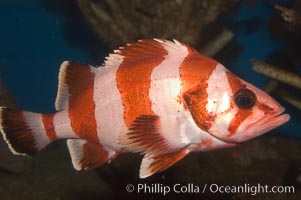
(245, 101)
(245, 98)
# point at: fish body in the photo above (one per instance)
(158, 98)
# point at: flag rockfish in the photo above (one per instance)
(158, 98)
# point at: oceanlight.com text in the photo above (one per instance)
(190, 188)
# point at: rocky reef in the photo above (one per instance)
(284, 67)
(121, 22)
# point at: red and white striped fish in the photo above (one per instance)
(155, 97)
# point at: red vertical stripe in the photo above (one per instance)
(80, 81)
(196, 69)
(241, 114)
(134, 74)
(48, 125)
(194, 73)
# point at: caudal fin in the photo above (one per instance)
(26, 132)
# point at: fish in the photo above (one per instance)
(160, 98)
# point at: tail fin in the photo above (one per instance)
(25, 132)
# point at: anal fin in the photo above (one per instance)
(152, 164)
(88, 156)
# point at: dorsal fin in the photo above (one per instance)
(152, 164)
(88, 156)
(73, 79)
(144, 50)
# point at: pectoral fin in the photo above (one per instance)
(145, 136)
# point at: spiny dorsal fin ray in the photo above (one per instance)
(152, 164)
(74, 78)
(142, 51)
(88, 156)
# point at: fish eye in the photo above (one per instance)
(244, 98)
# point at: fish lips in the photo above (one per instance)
(269, 123)
(259, 127)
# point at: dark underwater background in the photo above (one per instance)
(37, 36)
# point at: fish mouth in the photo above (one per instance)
(259, 127)
(268, 123)
(227, 141)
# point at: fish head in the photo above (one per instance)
(231, 109)
(252, 112)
